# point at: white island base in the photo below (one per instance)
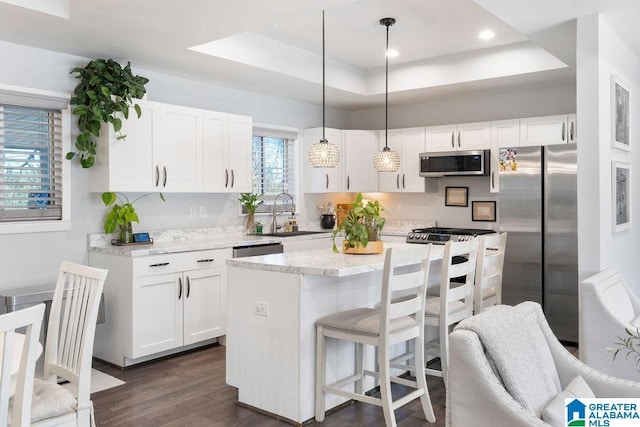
(273, 304)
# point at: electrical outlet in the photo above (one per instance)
(192, 212)
(261, 308)
(400, 208)
(203, 211)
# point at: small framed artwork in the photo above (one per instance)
(456, 196)
(483, 210)
(621, 196)
(620, 114)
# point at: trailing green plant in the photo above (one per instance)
(250, 201)
(629, 344)
(105, 89)
(362, 224)
(122, 213)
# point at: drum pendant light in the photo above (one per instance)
(386, 160)
(323, 154)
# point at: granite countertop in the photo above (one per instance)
(322, 262)
(196, 239)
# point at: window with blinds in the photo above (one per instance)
(273, 166)
(31, 158)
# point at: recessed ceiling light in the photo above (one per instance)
(392, 53)
(486, 35)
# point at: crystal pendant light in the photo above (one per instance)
(323, 154)
(386, 160)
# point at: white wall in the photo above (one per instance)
(477, 108)
(602, 53)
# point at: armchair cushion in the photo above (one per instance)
(616, 299)
(510, 343)
(554, 411)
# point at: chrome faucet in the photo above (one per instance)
(274, 223)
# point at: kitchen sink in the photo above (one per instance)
(294, 233)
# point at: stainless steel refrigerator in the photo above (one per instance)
(538, 209)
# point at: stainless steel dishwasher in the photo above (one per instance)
(258, 249)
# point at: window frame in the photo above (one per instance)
(39, 98)
(280, 132)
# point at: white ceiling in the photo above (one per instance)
(275, 46)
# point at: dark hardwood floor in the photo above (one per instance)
(190, 390)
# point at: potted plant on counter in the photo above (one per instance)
(250, 201)
(121, 216)
(361, 227)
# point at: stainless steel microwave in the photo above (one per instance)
(455, 163)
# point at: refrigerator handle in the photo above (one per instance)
(564, 126)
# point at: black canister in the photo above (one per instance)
(327, 221)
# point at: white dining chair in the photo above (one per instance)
(396, 320)
(489, 265)
(455, 301)
(17, 370)
(69, 348)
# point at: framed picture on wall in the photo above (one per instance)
(621, 196)
(483, 210)
(620, 114)
(456, 196)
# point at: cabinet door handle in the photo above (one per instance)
(459, 132)
(160, 264)
(226, 178)
(157, 175)
(206, 260)
(179, 287)
(403, 187)
(164, 181)
(327, 185)
(493, 185)
(348, 182)
(571, 132)
(453, 145)
(233, 178)
(398, 181)
(564, 125)
(188, 286)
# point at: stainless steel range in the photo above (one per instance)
(441, 235)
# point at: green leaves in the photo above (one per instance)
(122, 212)
(630, 345)
(105, 90)
(362, 224)
(250, 201)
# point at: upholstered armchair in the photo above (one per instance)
(507, 368)
(607, 307)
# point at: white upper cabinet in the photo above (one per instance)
(409, 143)
(180, 156)
(227, 152)
(129, 164)
(504, 133)
(548, 130)
(359, 148)
(323, 180)
(172, 148)
(466, 136)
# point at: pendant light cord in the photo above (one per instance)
(386, 92)
(323, 105)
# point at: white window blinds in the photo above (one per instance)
(273, 166)
(31, 156)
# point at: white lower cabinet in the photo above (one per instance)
(160, 304)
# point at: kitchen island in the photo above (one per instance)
(273, 304)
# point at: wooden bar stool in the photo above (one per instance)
(398, 320)
(489, 264)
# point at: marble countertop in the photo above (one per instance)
(322, 262)
(196, 239)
